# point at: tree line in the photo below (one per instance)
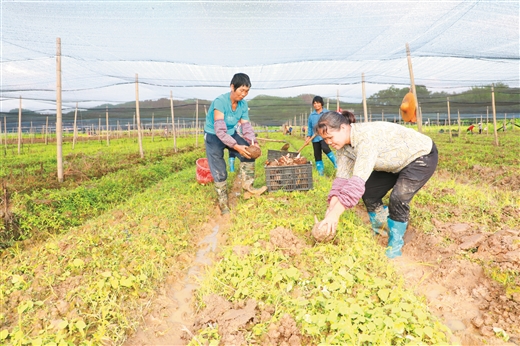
(271, 110)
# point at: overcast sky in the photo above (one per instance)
(193, 48)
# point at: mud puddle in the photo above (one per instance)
(449, 268)
(172, 313)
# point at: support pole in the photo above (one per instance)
(5, 130)
(494, 113)
(458, 120)
(59, 125)
(337, 100)
(138, 118)
(364, 97)
(449, 120)
(173, 124)
(108, 132)
(412, 82)
(196, 124)
(75, 136)
(20, 127)
(152, 125)
(46, 130)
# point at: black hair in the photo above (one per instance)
(318, 99)
(240, 79)
(334, 120)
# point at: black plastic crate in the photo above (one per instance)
(276, 154)
(289, 178)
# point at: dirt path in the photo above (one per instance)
(172, 312)
(447, 269)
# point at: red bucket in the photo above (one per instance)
(203, 174)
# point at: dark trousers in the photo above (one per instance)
(318, 148)
(404, 185)
(215, 154)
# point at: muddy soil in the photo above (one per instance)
(451, 268)
(234, 318)
(171, 314)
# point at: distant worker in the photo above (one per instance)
(318, 144)
(290, 130)
(470, 129)
(479, 128)
(374, 158)
(224, 114)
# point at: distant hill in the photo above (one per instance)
(264, 110)
(275, 111)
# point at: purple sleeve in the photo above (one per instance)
(348, 191)
(221, 132)
(248, 132)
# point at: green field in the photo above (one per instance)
(82, 260)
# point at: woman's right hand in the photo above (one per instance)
(242, 150)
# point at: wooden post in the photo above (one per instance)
(20, 127)
(59, 126)
(337, 100)
(141, 152)
(75, 136)
(118, 130)
(99, 129)
(458, 120)
(196, 123)
(449, 120)
(412, 82)
(31, 133)
(108, 132)
(47, 130)
(328, 99)
(173, 124)
(364, 96)
(152, 125)
(487, 120)
(382, 115)
(494, 113)
(5, 129)
(1, 134)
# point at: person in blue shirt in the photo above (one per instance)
(318, 144)
(225, 114)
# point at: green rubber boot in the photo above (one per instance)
(247, 177)
(222, 197)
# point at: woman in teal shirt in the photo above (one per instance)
(225, 114)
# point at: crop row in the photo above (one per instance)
(90, 285)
